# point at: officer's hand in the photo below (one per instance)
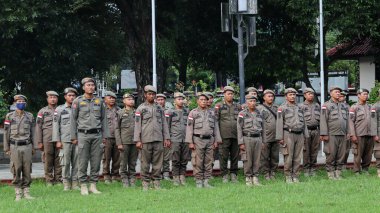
(354, 139)
(281, 142)
(33, 151)
(191, 146)
(59, 145)
(167, 143)
(220, 142)
(41, 146)
(104, 140)
(74, 142)
(376, 138)
(120, 148)
(325, 138)
(242, 147)
(215, 145)
(139, 145)
(8, 152)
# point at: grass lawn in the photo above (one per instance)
(314, 194)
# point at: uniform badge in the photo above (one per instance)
(279, 112)
(82, 103)
(97, 101)
(137, 116)
(167, 115)
(190, 120)
(373, 110)
(74, 106)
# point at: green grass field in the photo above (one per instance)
(315, 194)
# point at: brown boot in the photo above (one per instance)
(176, 181)
(248, 181)
(255, 181)
(182, 179)
(145, 185)
(75, 185)
(296, 180)
(157, 184)
(331, 175)
(66, 186)
(27, 194)
(18, 193)
(289, 179)
(83, 189)
(93, 189)
(199, 183)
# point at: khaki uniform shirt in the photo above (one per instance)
(44, 126)
(18, 128)
(88, 114)
(291, 117)
(125, 126)
(361, 122)
(177, 120)
(334, 119)
(227, 116)
(61, 124)
(150, 124)
(112, 119)
(269, 121)
(249, 123)
(203, 123)
(312, 113)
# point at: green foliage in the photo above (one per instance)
(374, 93)
(4, 107)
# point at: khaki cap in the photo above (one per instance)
(20, 97)
(110, 93)
(70, 89)
(362, 90)
(228, 88)
(249, 89)
(209, 94)
(308, 89)
(343, 93)
(335, 88)
(179, 94)
(203, 94)
(161, 95)
(250, 97)
(127, 95)
(150, 88)
(290, 90)
(87, 79)
(268, 91)
(49, 93)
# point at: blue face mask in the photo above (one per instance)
(20, 106)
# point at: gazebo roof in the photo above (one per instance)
(353, 50)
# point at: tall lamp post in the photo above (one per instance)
(243, 11)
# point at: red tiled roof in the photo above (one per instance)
(352, 50)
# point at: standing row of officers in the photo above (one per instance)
(79, 133)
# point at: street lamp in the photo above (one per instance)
(244, 11)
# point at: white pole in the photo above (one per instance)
(321, 54)
(154, 42)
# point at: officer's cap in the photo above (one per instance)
(127, 95)
(54, 93)
(249, 89)
(228, 88)
(290, 90)
(161, 95)
(150, 88)
(268, 91)
(87, 79)
(343, 93)
(250, 97)
(306, 90)
(209, 94)
(111, 94)
(362, 90)
(179, 94)
(70, 89)
(203, 94)
(20, 97)
(335, 88)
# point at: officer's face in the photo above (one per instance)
(69, 97)
(268, 98)
(179, 101)
(150, 96)
(251, 103)
(52, 99)
(210, 101)
(363, 96)
(89, 87)
(161, 101)
(130, 102)
(309, 96)
(110, 100)
(202, 102)
(291, 97)
(335, 94)
(342, 98)
(228, 96)
(254, 93)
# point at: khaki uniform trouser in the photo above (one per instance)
(229, 149)
(202, 158)
(310, 150)
(251, 156)
(269, 157)
(335, 150)
(111, 153)
(362, 151)
(52, 165)
(167, 158)
(21, 162)
(180, 158)
(152, 154)
(347, 151)
(69, 162)
(90, 149)
(292, 151)
(128, 160)
(376, 153)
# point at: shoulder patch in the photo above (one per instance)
(7, 122)
(241, 115)
(279, 110)
(324, 107)
(352, 110)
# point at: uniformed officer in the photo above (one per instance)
(227, 112)
(62, 135)
(250, 137)
(251, 91)
(312, 113)
(270, 147)
(111, 153)
(161, 100)
(334, 133)
(44, 132)
(342, 99)
(376, 149)
(202, 135)
(89, 128)
(177, 120)
(291, 132)
(151, 135)
(362, 132)
(210, 99)
(18, 143)
(124, 131)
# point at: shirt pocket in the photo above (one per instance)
(198, 124)
(211, 122)
(334, 115)
(360, 115)
(48, 121)
(317, 115)
(344, 114)
(146, 117)
(307, 116)
(248, 123)
(125, 122)
(65, 118)
(97, 111)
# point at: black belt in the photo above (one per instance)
(293, 131)
(203, 136)
(252, 135)
(89, 131)
(312, 127)
(20, 143)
